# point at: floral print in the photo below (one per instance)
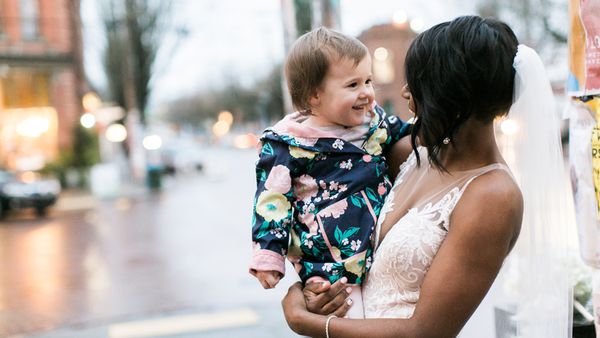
(279, 179)
(325, 194)
(301, 153)
(373, 145)
(338, 144)
(305, 187)
(272, 206)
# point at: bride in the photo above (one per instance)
(455, 211)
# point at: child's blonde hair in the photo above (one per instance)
(309, 58)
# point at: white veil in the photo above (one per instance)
(536, 277)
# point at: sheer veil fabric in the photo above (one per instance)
(535, 275)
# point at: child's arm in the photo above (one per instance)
(397, 147)
(396, 128)
(272, 213)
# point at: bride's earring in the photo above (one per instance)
(446, 141)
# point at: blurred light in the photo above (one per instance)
(91, 101)
(88, 120)
(509, 127)
(220, 128)
(33, 126)
(123, 204)
(417, 25)
(400, 17)
(28, 176)
(152, 142)
(245, 141)
(226, 116)
(116, 133)
(381, 54)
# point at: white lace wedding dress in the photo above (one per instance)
(426, 198)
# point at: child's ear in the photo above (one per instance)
(315, 99)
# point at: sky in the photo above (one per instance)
(240, 40)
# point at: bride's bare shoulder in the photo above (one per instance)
(491, 205)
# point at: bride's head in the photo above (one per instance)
(456, 71)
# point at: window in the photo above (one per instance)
(29, 19)
(25, 88)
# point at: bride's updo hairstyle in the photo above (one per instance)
(459, 70)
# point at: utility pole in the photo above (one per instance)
(289, 36)
(326, 13)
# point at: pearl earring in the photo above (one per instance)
(446, 141)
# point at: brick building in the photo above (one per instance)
(388, 44)
(41, 80)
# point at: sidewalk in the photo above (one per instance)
(248, 322)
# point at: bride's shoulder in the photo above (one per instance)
(491, 205)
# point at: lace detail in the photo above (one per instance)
(402, 259)
(399, 265)
(389, 199)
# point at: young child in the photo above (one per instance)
(321, 174)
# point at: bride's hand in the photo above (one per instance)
(326, 299)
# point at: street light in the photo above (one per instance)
(152, 142)
(88, 120)
(226, 117)
(91, 101)
(220, 128)
(116, 133)
(417, 25)
(381, 54)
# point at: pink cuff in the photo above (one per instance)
(267, 260)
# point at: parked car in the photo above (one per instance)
(27, 190)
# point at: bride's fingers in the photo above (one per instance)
(337, 287)
(317, 287)
(336, 294)
(337, 302)
(342, 310)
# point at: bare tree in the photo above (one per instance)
(538, 22)
(134, 30)
(262, 101)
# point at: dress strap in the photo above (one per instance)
(449, 207)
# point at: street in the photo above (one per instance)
(97, 269)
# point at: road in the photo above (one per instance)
(167, 264)
(163, 258)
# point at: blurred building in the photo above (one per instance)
(41, 80)
(388, 44)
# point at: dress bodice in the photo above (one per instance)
(404, 255)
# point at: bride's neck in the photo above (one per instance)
(473, 146)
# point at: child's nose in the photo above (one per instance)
(366, 93)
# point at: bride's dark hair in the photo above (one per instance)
(457, 70)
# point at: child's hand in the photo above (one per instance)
(268, 279)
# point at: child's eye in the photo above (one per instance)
(353, 84)
(369, 81)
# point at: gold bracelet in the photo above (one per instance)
(327, 325)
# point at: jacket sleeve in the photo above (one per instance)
(396, 128)
(272, 211)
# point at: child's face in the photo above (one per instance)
(345, 95)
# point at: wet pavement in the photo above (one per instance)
(166, 257)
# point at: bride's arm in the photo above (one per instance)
(484, 226)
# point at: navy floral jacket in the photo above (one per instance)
(318, 198)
